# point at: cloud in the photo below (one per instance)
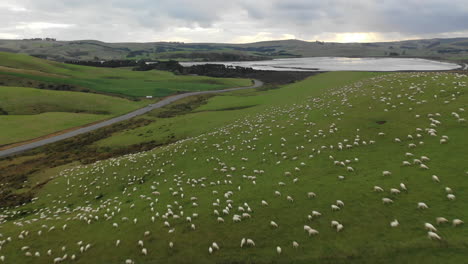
(232, 21)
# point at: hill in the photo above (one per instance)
(453, 49)
(23, 70)
(269, 185)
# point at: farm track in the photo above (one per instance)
(141, 111)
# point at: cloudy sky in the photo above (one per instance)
(236, 21)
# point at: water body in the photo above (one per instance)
(340, 64)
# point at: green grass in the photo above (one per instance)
(120, 81)
(33, 112)
(214, 113)
(295, 125)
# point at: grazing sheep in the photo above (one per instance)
(264, 203)
(316, 214)
(448, 190)
(394, 191)
(430, 227)
(457, 222)
(378, 189)
(312, 232)
(127, 261)
(273, 224)
(451, 197)
(215, 246)
(278, 250)
(441, 220)
(335, 207)
(290, 199)
(431, 235)
(394, 223)
(242, 242)
(311, 195)
(250, 242)
(210, 250)
(295, 244)
(339, 227)
(403, 187)
(422, 205)
(339, 203)
(334, 223)
(435, 178)
(144, 251)
(387, 201)
(423, 166)
(386, 173)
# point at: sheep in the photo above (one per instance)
(144, 251)
(350, 169)
(215, 245)
(441, 220)
(277, 193)
(394, 223)
(210, 250)
(278, 250)
(448, 190)
(423, 166)
(273, 224)
(451, 197)
(290, 199)
(457, 222)
(430, 227)
(220, 220)
(250, 242)
(339, 227)
(435, 178)
(422, 205)
(129, 261)
(339, 203)
(335, 207)
(312, 232)
(264, 203)
(403, 187)
(295, 244)
(406, 163)
(242, 242)
(316, 214)
(311, 195)
(387, 200)
(334, 223)
(431, 235)
(394, 191)
(386, 173)
(378, 189)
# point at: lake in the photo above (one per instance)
(340, 64)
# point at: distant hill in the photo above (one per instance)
(452, 49)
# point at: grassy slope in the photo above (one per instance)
(213, 114)
(114, 81)
(123, 187)
(33, 112)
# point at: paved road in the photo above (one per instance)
(164, 102)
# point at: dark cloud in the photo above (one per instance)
(225, 21)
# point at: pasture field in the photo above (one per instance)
(258, 178)
(29, 113)
(121, 81)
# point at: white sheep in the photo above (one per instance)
(457, 222)
(387, 200)
(394, 223)
(394, 191)
(278, 250)
(422, 205)
(339, 203)
(441, 220)
(273, 224)
(386, 173)
(335, 207)
(403, 187)
(431, 235)
(378, 189)
(311, 195)
(430, 227)
(435, 178)
(312, 232)
(295, 244)
(451, 197)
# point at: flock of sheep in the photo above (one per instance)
(233, 185)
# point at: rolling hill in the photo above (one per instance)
(453, 49)
(333, 169)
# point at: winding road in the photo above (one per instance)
(164, 102)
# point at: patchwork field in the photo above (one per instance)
(338, 168)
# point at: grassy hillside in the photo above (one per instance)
(455, 48)
(98, 213)
(28, 113)
(125, 82)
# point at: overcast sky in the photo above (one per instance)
(237, 21)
